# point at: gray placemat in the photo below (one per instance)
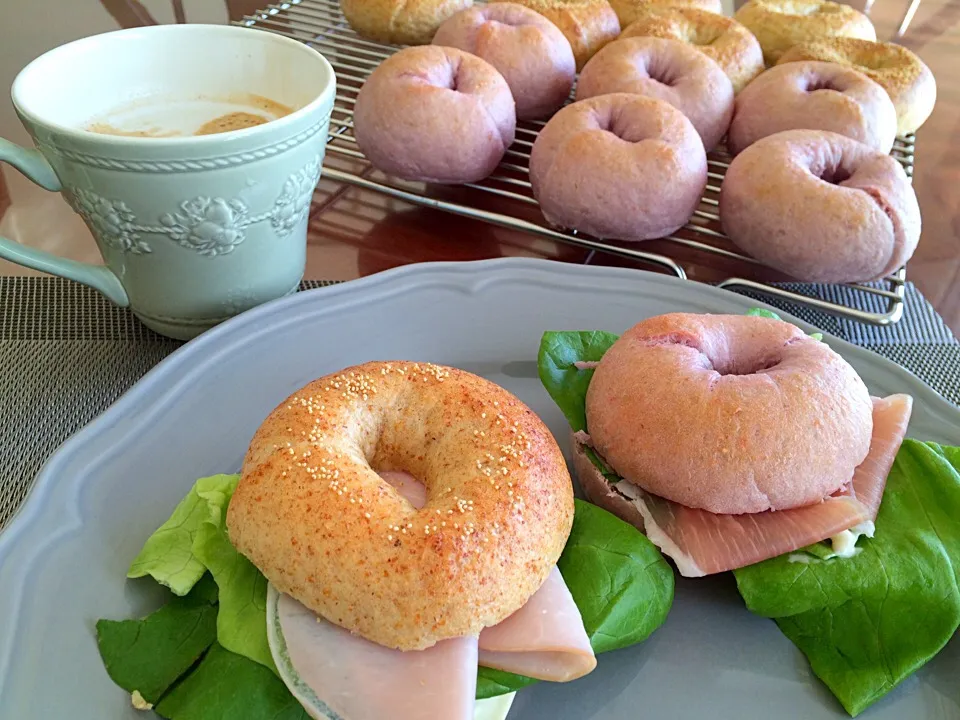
(66, 354)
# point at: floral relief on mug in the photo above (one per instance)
(111, 220)
(292, 206)
(210, 226)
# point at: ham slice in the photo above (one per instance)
(703, 543)
(345, 677)
(545, 639)
(359, 680)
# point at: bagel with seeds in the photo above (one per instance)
(781, 24)
(498, 511)
(401, 22)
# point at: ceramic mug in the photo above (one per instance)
(192, 229)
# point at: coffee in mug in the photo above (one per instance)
(195, 178)
(173, 116)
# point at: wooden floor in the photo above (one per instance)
(934, 34)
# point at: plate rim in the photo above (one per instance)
(163, 384)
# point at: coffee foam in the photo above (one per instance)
(166, 116)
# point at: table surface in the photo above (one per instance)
(354, 232)
(357, 232)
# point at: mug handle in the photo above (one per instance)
(36, 168)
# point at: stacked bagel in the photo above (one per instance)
(808, 101)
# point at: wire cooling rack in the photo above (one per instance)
(505, 198)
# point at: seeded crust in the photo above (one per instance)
(402, 22)
(629, 11)
(781, 24)
(312, 514)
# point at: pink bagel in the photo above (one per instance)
(434, 114)
(814, 96)
(527, 49)
(667, 70)
(618, 166)
(820, 207)
(729, 413)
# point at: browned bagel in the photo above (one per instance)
(314, 516)
(781, 24)
(629, 11)
(403, 22)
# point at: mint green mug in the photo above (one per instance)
(193, 228)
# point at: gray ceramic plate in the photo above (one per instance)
(63, 559)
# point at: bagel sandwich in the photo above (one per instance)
(741, 443)
(727, 439)
(404, 520)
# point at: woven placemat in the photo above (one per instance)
(66, 354)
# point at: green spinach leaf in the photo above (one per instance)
(491, 683)
(760, 312)
(867, 622)
(618, 578)
(148, 655)
(227, 686)
(565, 383)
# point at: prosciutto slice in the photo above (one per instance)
(703, 543)
(355, 679)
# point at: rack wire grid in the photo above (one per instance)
(505, 198)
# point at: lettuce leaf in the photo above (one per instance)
(168, 555)
(242, 620)
(491, 683)
(148, 655)
(195, 540)
(620, 582)
(867, 622)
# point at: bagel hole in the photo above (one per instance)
(406, 485)
(817, 83)
(747, 366)
(741, 366)
(836, 175)
(705, 36)
(661, 71)
(621, 125)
